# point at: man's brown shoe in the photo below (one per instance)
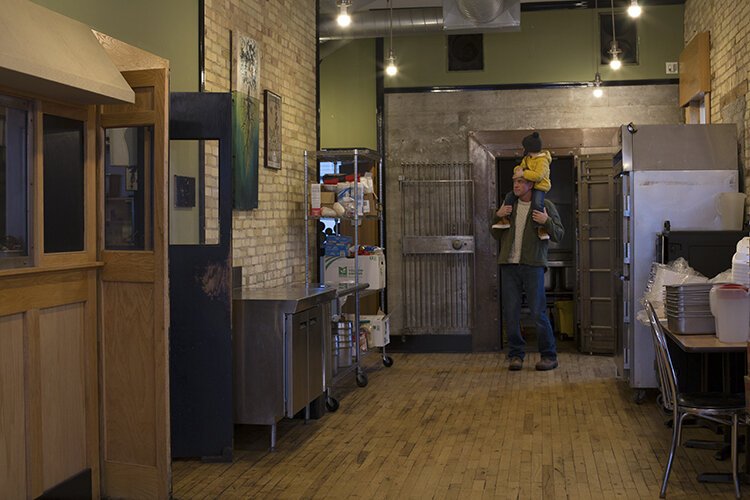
(515, 364)
(546, 364)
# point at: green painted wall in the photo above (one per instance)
(167, 28)
(552, 46)
(347, 97)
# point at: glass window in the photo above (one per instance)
(194, 192)
(63, 184)
(14, 183)
(128, 188)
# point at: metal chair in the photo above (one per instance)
(726, 409)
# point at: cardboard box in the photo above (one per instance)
(327, 198)
(315, 199)
(340, 270)
(369, 204)
(379, 334)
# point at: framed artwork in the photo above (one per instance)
(272, 130)
(184, 191)
(245, 134)
(246, 65)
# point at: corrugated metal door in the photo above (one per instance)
(438, 248)
(597, 238)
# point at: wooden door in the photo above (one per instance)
(134, 312)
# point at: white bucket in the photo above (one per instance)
(730, 305)
(731, 209)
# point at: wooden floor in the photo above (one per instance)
(462, 426)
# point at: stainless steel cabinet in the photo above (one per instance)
(279, 351)
(304, 359)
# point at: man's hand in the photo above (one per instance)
(539, 217)
(504, 210)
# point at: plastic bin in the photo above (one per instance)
(564, 310)
(730, 305)
(343, 344)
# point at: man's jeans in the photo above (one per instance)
(517, 278)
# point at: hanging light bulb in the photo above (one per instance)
(391, 69)
(598, 92)
(614, 50)
(344, 19)
(634, 10)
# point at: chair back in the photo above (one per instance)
(667, 375)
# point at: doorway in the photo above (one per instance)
(560, 277)
(493, 154)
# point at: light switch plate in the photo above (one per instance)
(673, 68)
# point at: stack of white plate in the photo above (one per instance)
(688, 309)
(741, 263)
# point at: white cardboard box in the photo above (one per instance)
(339, 270)
(380, 329)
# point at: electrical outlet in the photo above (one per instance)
(673, 68)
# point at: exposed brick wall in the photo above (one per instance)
(268, 242)
(728, 23)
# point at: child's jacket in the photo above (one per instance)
(536, 170)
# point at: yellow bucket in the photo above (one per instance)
(564, 310)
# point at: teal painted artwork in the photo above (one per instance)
(245, 134)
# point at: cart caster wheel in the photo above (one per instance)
(361, 379)
(387, 361)
(332, 404)
(639, 396)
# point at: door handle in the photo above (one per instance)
(457, 244)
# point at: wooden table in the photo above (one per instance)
(704, 344)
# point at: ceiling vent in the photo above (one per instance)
(485, 16)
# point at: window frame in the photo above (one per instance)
(28, 260)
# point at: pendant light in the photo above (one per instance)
(598, 91)
(344, 19)
(634, 10)
(614, 50)
(391, 69)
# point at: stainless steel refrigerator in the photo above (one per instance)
(663, 173)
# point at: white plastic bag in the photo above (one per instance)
(678, 272)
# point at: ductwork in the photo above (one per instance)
(456, 16)
(480, 12)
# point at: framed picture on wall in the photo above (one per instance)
(272, 129)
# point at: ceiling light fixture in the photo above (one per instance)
(598, 91)
(614, 50)
(634, 10)
(391, 69)
(344, 19)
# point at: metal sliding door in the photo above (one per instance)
(438, 248)
(597, 232)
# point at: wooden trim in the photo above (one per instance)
(36, 191)
(34, 404)
(130, 267)
(136, 119)
(161, 282)
(30, 271)
(91, 373)
(40, 292)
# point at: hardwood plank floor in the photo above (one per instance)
(463, 426)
